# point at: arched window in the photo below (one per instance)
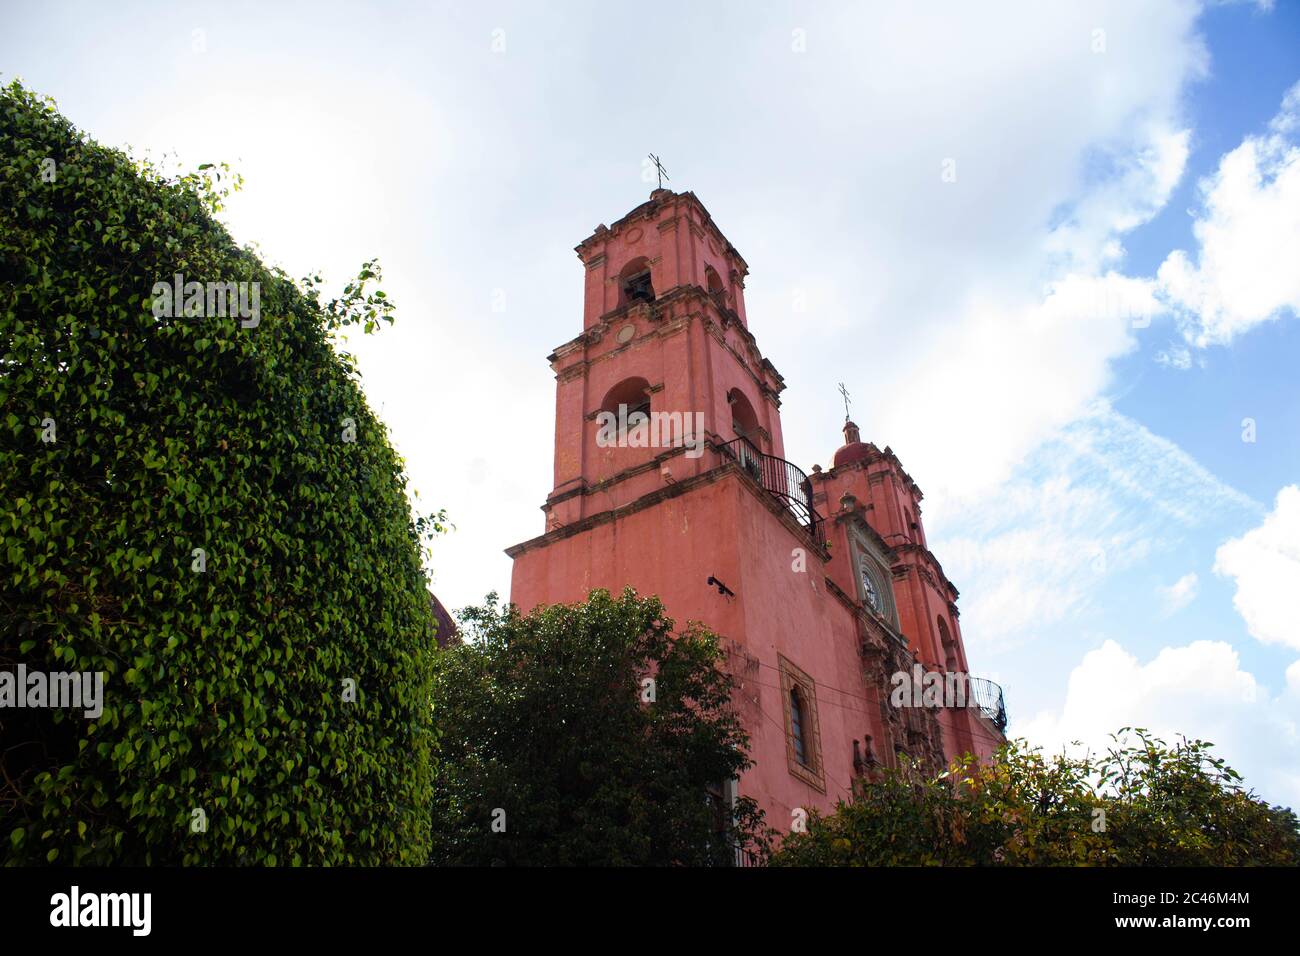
(871, 590)
(798, 725)
(744, 420)
(714, 282)
(634, 282)
(950, 657)
(875, 582)
(632, 392)
(803, 742)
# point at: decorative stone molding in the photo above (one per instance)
(868, 552)
(927, 560)
(911, 730)
(568, 374)
(813, 772)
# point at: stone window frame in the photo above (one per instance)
(867, 557)
(813, 774)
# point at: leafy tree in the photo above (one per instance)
(1142, 803)
(202, 508)
(590, 732)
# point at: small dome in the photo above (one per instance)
(854, 449)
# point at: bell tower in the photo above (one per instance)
(664, 331)
(670, 477)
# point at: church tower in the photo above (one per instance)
(670, 476)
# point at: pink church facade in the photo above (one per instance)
(821, 584)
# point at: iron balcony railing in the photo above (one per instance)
(988, 698)
(782, 479)
(746, 858)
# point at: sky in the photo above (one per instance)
(1053, 251)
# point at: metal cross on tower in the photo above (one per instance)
(659, 170)
(845, 392)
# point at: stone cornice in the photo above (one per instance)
(865, 617)
(670, 314)
(931, 566)
(724, 469)
(857, 519)
(663, 201)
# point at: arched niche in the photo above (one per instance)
(634, 282)
(744, 420)
(633, 392)
(948, 647)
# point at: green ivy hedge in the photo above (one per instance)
(227, 735)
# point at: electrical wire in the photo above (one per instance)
(982, 734)
(869, 700)
(781, 728)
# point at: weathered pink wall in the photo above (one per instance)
(726, 530)
(663, 523)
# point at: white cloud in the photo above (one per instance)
(1032, 555)
(1176, 356)
(1198, 690)
(973, 398)
(1101, 497)
(981, 292)
(973, 318)
(1248, 237)
(1265, 564)
(1181, 593)
(1140, 174)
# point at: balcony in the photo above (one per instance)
(987, 696)
(784, 481)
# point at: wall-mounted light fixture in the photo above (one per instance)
(722, 588)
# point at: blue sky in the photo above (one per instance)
(1061, 344)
